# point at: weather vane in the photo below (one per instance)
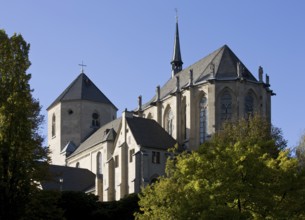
(82, 65)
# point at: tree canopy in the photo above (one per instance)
(300, 151)
(21, 150)
(243, 172)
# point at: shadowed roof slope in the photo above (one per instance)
(223, 62)
(72, 179)
(82, 88)
(105, 133)
(148, 133)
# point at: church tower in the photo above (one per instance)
(196, 101)
(79, 111)
(176, 60)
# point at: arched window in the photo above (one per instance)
(226, 106)
(53, 125)
(202, 119)
(249, 104)
(99, 163)
(169, 117)
(95, 120)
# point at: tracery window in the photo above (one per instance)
(169, 121)
(95, 120)
(202, 119)
(249, 104)
(53, 125)
(226, 106)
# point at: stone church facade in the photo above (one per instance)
(129, 152)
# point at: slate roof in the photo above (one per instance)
(224, 62)
(106, 132)
(82, 88)
(69, 148)
(177, 50)
(148, 133)
(73, 179)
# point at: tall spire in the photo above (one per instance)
(176, 61)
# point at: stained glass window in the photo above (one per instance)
(226, 106)
(249, 104)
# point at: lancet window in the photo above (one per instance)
(202, 119)
(249, 104)
(169, 121)
(53, 125)
(99, 163)
(226, 106)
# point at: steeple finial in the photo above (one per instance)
(82, 65)
(176, 61)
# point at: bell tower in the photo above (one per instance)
(77, 113)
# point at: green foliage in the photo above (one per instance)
(20, 142)
(44, 205)
(241, 173)
(78, 205)
(122, 209)
(300, 152)
(70, 205)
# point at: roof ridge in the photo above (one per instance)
(217, 52)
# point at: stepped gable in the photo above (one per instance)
(82, 88)
(219, 65)
(148, 133)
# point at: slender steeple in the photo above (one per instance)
(176, 61)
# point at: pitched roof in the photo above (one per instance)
(69, 148)
(69, 179)
(148, 133)
(104, 133)
(82, 88)
(222, 61)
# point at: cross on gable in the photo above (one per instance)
(82, 65)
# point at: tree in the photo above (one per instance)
(78, 205)
(21, 148)
(44, 205)
(300, 151)
(241, 173)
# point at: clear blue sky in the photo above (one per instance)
(127, 46)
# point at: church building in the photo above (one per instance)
(128, 152)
